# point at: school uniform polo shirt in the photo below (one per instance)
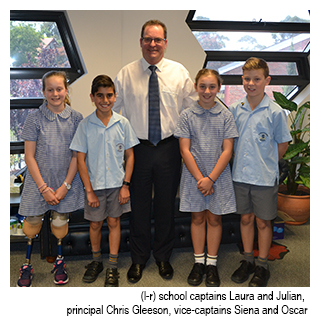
(256, 149)
(105, 148)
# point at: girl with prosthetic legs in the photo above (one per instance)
(31, 228)
(51, 182)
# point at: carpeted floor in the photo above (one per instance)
(293, 270)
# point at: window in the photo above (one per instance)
(39, 42)
(270, 15)
(283, 41)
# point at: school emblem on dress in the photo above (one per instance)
(120, 147)
(263, 136)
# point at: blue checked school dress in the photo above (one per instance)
(207, 129)
(53, 134)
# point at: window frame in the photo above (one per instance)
(76, 70)
(300, 58)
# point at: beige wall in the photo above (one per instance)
(108, 40)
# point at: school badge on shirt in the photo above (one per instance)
(120, 147)
(263, 136)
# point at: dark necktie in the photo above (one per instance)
(154, 135)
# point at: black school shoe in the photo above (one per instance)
(212, 276)
(112, 278)
(260, 277)
(92, 272)
(196, 275)
(243, 272)
(135, 272)
(165, 269)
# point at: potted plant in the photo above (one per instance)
(297, 184)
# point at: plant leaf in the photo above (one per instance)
(304, 170)
(300, 115)
(285, 103)
(305, 181)
(301, 159)
(294, 149)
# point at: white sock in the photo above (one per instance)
(199, 258)
(212, 260)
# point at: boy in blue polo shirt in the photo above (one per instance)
(263, 140)
(102, 141)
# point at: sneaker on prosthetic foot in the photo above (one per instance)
(26, 276)
(60, 272)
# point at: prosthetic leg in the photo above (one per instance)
(31, 228)
(59, 228)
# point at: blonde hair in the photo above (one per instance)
(256, 63)
(206, 72)
(65, 81)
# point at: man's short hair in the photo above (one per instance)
(154, 22)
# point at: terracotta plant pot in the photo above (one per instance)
(294, 210)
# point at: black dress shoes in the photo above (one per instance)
(165, 270)
(196, 275)
(243, 272)
(260, 277)
(92, 272)
(212, 276)
(135, 272)
(112, 277)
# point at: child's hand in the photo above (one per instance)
(93, 200)
(205, 186)
(124, 195)
(61, 192)
(210, 192)
(50, 197)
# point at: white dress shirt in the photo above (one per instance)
(176, 93)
